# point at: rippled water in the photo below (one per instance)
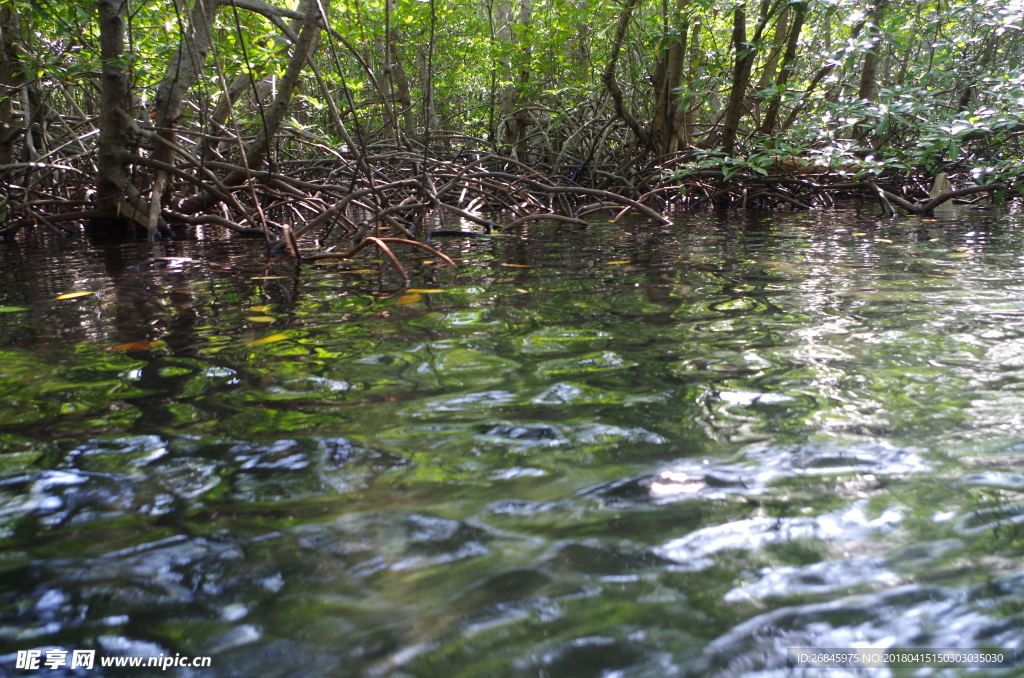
(624, 452)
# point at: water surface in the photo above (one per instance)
(625, 451)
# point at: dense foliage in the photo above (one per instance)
(626, 97)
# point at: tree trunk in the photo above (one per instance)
(687, 121)
(11, 79)
(115, 98)
(392, 83)
(403, 94)
(185, 68)
(969, 90)
(746, 53)
(870, 68)
(668, 76)
(740, 78)
(771, 116)
(778, 44)
(610, 81)
(821, 74)
(257, 151)
(516, 120)
(427, 86)
(581, 43)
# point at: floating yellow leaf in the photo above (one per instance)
(326, 262)
(623, 261)
(423, 291)
(376, 261)
(929, 220)
(134, 345)
(934, 275)
(73, 295)
(261, 319)
(427, 262)
(268, 340)
(883, 240)
(259, 309)
(409, 298)
(517, 265)
(266, 277)
(521, 290)
(860, 233)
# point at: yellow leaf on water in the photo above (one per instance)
(266, 277)
(261, 319)
(133, 345)
(409, 299)
(73, 295)
(427, 262)
(517, 265)
(883, 240)
(415, 290)
(259, 309)
(624, 261)
(860, 233)
(521, 290)
(268, 340)
(376, 261)
(935, 275)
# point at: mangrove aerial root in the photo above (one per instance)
(381, 244)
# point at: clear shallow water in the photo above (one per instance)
(627, 451)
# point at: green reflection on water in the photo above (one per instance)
(486, 481)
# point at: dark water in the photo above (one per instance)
(627, 452)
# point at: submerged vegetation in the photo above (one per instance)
(358, 119)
